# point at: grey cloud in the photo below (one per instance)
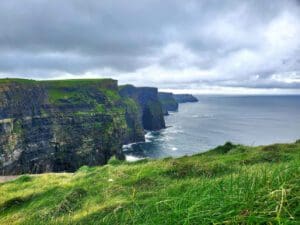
(228, 42)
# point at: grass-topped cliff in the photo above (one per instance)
(60, 125)
(232, 184)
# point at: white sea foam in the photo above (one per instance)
(174, 130)
(129, 146)
(203, 116)
(149, 137)
(131, 158)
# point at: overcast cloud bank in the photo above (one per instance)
(206, 46)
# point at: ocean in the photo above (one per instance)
(214, 120)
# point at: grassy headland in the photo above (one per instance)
(232, 184)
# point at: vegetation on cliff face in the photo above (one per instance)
(81, 90)
(61, 125)
(232, 184)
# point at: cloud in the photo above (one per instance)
(170, 44)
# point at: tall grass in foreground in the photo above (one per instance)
(231, 184)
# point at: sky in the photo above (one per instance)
(196, 46)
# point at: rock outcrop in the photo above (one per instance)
(183, 98)
(169, 104)
(150, 108)
(62, 125)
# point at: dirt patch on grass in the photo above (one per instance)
(7, 178)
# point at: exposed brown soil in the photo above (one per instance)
(7, 178)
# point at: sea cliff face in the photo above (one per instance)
(62, 125)
(150, 108)
(169, 104)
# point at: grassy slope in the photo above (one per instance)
(228, 185)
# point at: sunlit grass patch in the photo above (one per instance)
(232, 184)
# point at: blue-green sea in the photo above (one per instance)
(197, 127)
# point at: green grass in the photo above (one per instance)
(78, 90)
(16, 80)
(112, 95)
(231, 184)
(77, 82)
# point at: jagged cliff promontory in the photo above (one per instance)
(169, 104)
(184, 98)
(170, 101)
(62, 125)
(151, 113)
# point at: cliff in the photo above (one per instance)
(183, 98)
(62, 125)
(150, 108)
(168, 102)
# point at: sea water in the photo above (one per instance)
(214, 120)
